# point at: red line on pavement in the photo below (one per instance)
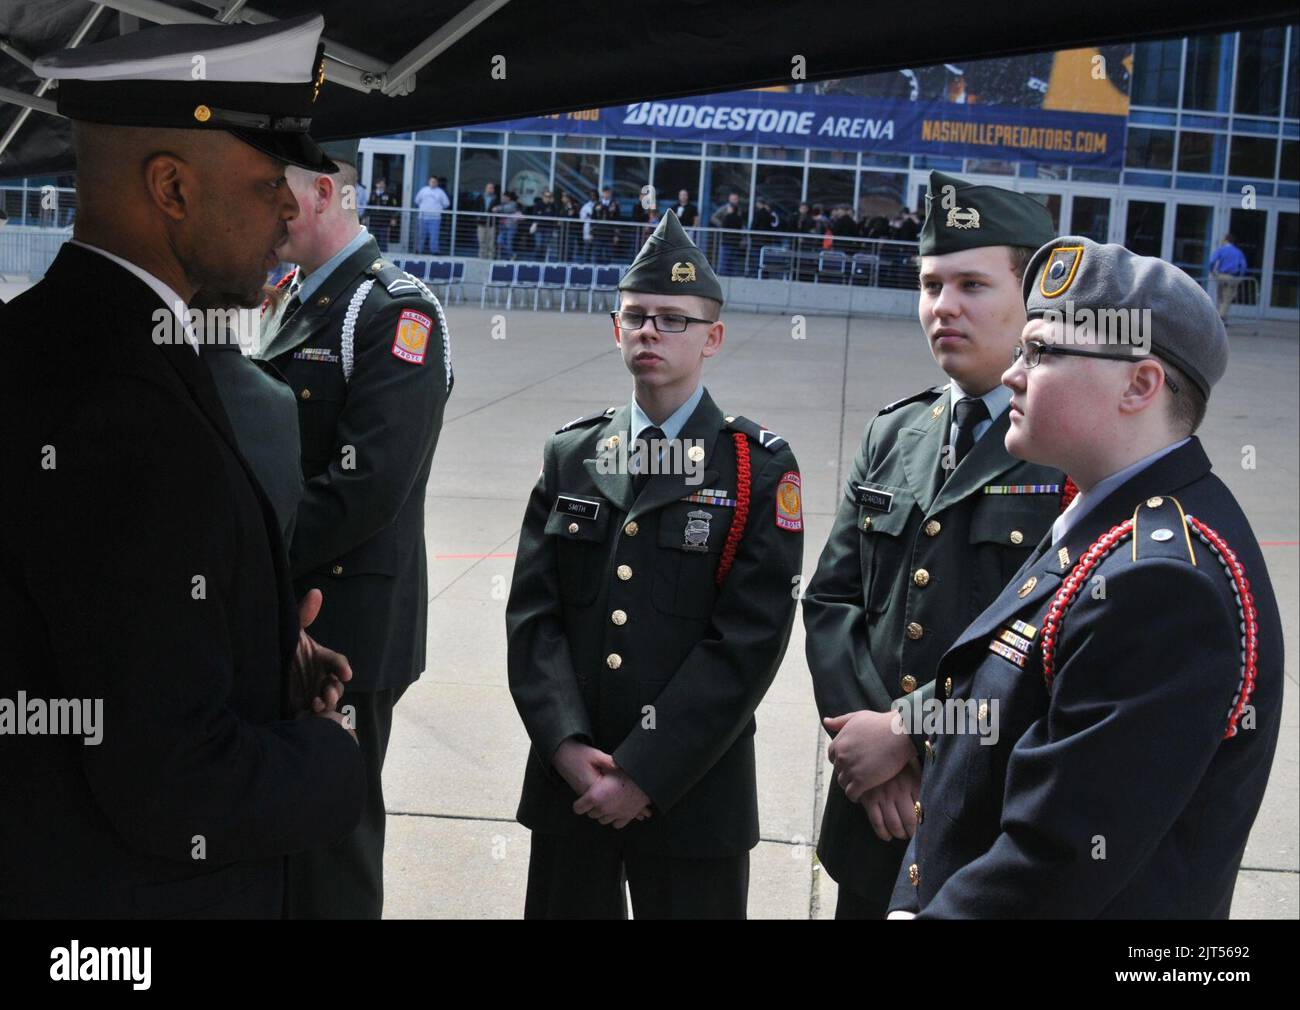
(1279, 543)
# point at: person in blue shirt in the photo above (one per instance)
(1228, 267)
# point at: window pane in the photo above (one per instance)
(830, 187)
(1149, 149)
(1193, 239)
(441, 136)
(1286, 262)
(1290, 168)
(1144, 229)
(627, 176)
(578, 140)
(673, 175)
(531, 140)
(1201, 152)
(780, 186)
(481, 137)
(1293, 75)
(1091, 218)
(1207, 81)
(439, 161)
(1253, 156)
(1156, 66)
(720, 179)
(991, 167)
(1259, 71)
(478, 167)
(578, 175)
(880, 194)
(527, 174)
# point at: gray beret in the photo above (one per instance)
(1129, 300)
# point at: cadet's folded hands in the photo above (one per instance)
(614, 799)
(869, 749)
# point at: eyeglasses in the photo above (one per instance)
(668, 323)
(1033, 350)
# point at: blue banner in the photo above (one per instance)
(849, 123)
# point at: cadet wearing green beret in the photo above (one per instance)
(651, 606)
(935, 517)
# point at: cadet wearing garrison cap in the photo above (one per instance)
(1132, 669)
(935, 516)
(652, 601)
(141, 563)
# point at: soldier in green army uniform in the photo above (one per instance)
(364, 348)
(936, 516)
(653, 596)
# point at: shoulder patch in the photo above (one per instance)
(769, 440)
(789, 504)
(926, 395)
(399, 284)
(586, 419)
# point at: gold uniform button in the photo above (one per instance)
(915, 631)
(337, 569)
(624, 572)
(376, 264)
(983, 715)
(613, 441)
(947, 687)
(909, 683)
(916, 809)
(201, 112)
(914, 874)
(323, 300)
(1155, 503)
(573, 527)
(922, 577)
(305, 394)
(619, 617)
(932, 528)
(631, 528)
(1017, 537)
(929, 751)
(613, 660)
(866, 522)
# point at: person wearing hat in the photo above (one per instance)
(365, 350)
(1136, 658)
(653, 597)
(934, 518)
(142, 573)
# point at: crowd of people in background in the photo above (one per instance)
(597, 229)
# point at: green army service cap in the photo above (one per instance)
(257, 82)
(1113, 292)
(671, 264)
(961, 216)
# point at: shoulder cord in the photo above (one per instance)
(350, 325)
(742, 508)
(1066, 595)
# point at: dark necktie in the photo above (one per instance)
(968, 412)
(645, 451)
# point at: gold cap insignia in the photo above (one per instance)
(684, 272)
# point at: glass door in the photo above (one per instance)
(1090, 217)
(1194, 239)
(1144, 227)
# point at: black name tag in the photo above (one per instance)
(881, 501)
(577, 507)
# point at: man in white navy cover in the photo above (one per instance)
(141, 566)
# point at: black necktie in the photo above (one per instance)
(968, 412)
(646, 450)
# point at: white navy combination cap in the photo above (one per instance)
(257, 82)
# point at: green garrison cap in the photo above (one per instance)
(961, 216)
(671, 264)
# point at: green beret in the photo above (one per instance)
(1139, 303)
(960, 216)
(671, 264)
